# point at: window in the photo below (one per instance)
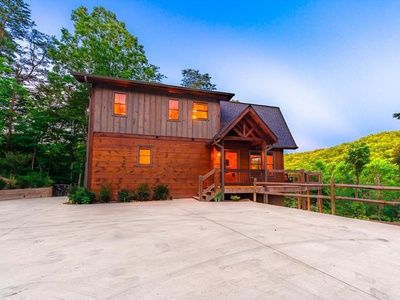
(255, 161)
(173, 109)
(120, 104)
(270, 163)
(200, 111)
(144, 155)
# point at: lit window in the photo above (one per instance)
(173, 110)
(200, 111)
(270, 163)
(120, 104)
(144, 156)
(255, 162)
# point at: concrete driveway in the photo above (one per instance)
(184, 249)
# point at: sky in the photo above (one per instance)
(332, 66)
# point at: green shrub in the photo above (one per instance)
(235, 197)
(3, 184)
(143, 192)
(33, 180)
(218, 197)
(80, 195)
(161, 192)
(105, 193)
(126, 195)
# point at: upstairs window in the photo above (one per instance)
(144, 155)
(200, 111)
(173, 109)
(120, 104)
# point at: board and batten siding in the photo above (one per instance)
(147, 114)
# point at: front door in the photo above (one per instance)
(231, 166)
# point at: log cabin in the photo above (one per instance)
(141, 132)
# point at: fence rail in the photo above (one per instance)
(310, 186)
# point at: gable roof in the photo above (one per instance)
(272, 117)
(249, 126)
(151, 86)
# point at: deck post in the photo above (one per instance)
(333, 211)
(255, 190)
(319, 193)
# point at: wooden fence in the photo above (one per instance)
(272, 188)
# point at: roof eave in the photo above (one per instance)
(151, 86)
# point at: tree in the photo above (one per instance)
(28, 69)
(193, 79)
(358, 155)
(15, 21)
(102, 45)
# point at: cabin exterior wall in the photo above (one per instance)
(176, 162)
(147, 114)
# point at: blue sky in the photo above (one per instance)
(332, 66)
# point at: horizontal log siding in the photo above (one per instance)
(147, 114)
(175, 162)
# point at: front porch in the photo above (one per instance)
(212, 189)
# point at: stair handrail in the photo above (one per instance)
(214, 172)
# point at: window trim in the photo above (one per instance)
(201, 103)
(126, 105)
(139, 147)
(179, 114)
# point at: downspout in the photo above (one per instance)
(222, 163)
(88, 140)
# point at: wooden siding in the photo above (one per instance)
(147, 114)
(175, 162)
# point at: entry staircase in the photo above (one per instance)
(209, 185)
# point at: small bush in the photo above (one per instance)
(105, 193)
(80, 195)
(218, 197)
(3, 184)
(33, 180)
(143, 192)
(126, 195)
(161, 192)
(235, 197)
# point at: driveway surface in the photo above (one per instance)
(184, 249)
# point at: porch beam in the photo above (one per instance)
(239, 138)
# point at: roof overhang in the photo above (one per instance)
(150, 86)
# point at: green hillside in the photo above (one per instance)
(382, 169)
(381, 146)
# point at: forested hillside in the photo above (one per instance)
(381, 148)
(374, 159)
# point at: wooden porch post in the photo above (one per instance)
(264, 162)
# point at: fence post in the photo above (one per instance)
(255, 189)
(201, 188)
(319, 192)
(333, 211)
